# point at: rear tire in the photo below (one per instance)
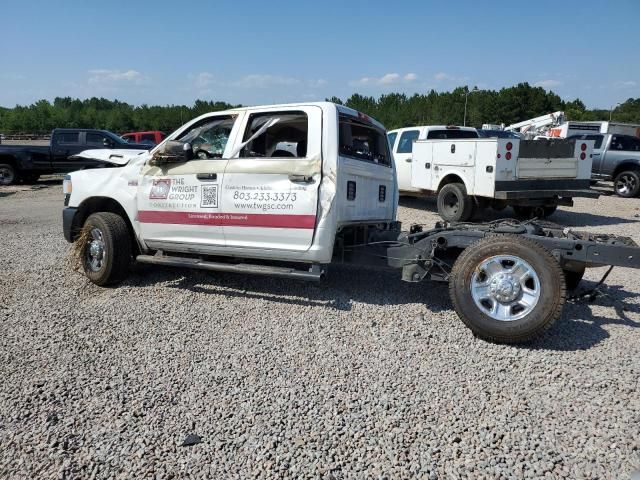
(106, 253)
(8, 174)
(514, 308)
(627, 184)
(454, 205)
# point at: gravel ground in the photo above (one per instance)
(361, 376)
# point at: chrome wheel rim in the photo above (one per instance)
(6, 176)
(95, 251)
(505, 287)
(625, 184)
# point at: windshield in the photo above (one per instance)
(114, 137)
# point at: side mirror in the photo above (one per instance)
(173, 151)
(107, 143)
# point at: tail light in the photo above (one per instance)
(508, 155)
(583, 147)
(583, 156)
(509, 146)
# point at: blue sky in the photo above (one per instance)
(255, 52)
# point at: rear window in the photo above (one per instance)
(451, 134)
(363, 141)
(596, 138)
(148, 138)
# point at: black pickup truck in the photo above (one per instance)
(28, 162)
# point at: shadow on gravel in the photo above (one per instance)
(567, 218)
(580, 329)
(6, 194)
(342, 288)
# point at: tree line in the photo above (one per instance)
(394, 110)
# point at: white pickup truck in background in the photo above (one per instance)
(469, 173)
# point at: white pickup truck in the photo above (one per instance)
(287, 190)
(469, 173)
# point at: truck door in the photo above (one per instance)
(63, 145)
(270, 188)
(403, 156)
(179, 204)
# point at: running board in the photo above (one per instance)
(315, 272)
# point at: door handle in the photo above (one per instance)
(301, 178)
(207, 176)
(408, 160)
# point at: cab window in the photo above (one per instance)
(406, 141)
(67, 138)
(363, 141)
(625, 143)
(276, 135)
(208, 138)
(95, 139)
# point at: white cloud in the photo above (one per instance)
(104, 76)
(389, 78)
(548, 83)
(11, 76)
(626, 84)
(320, 82)
(447, 77)
(265, 81)
(203, 80)
(386, 79)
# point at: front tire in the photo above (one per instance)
(8, 174)
(106, 248)
(454, 205)
(507, 289)
(627, 184)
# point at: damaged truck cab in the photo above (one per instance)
(286, 190)
(253, 183)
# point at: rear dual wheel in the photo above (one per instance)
(507, 289)
(454, 205)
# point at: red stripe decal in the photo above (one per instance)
(228, 219)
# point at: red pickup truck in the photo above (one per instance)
(148, 138)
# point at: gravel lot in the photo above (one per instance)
(361, 376)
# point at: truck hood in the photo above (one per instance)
(116, 156)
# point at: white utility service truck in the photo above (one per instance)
(469, 173)
(288, 190)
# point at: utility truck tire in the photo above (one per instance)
(454, 205)
(627, 184)
(105, 248)
(507, 288)
(8, 174)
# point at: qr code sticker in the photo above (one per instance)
(209, 197)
